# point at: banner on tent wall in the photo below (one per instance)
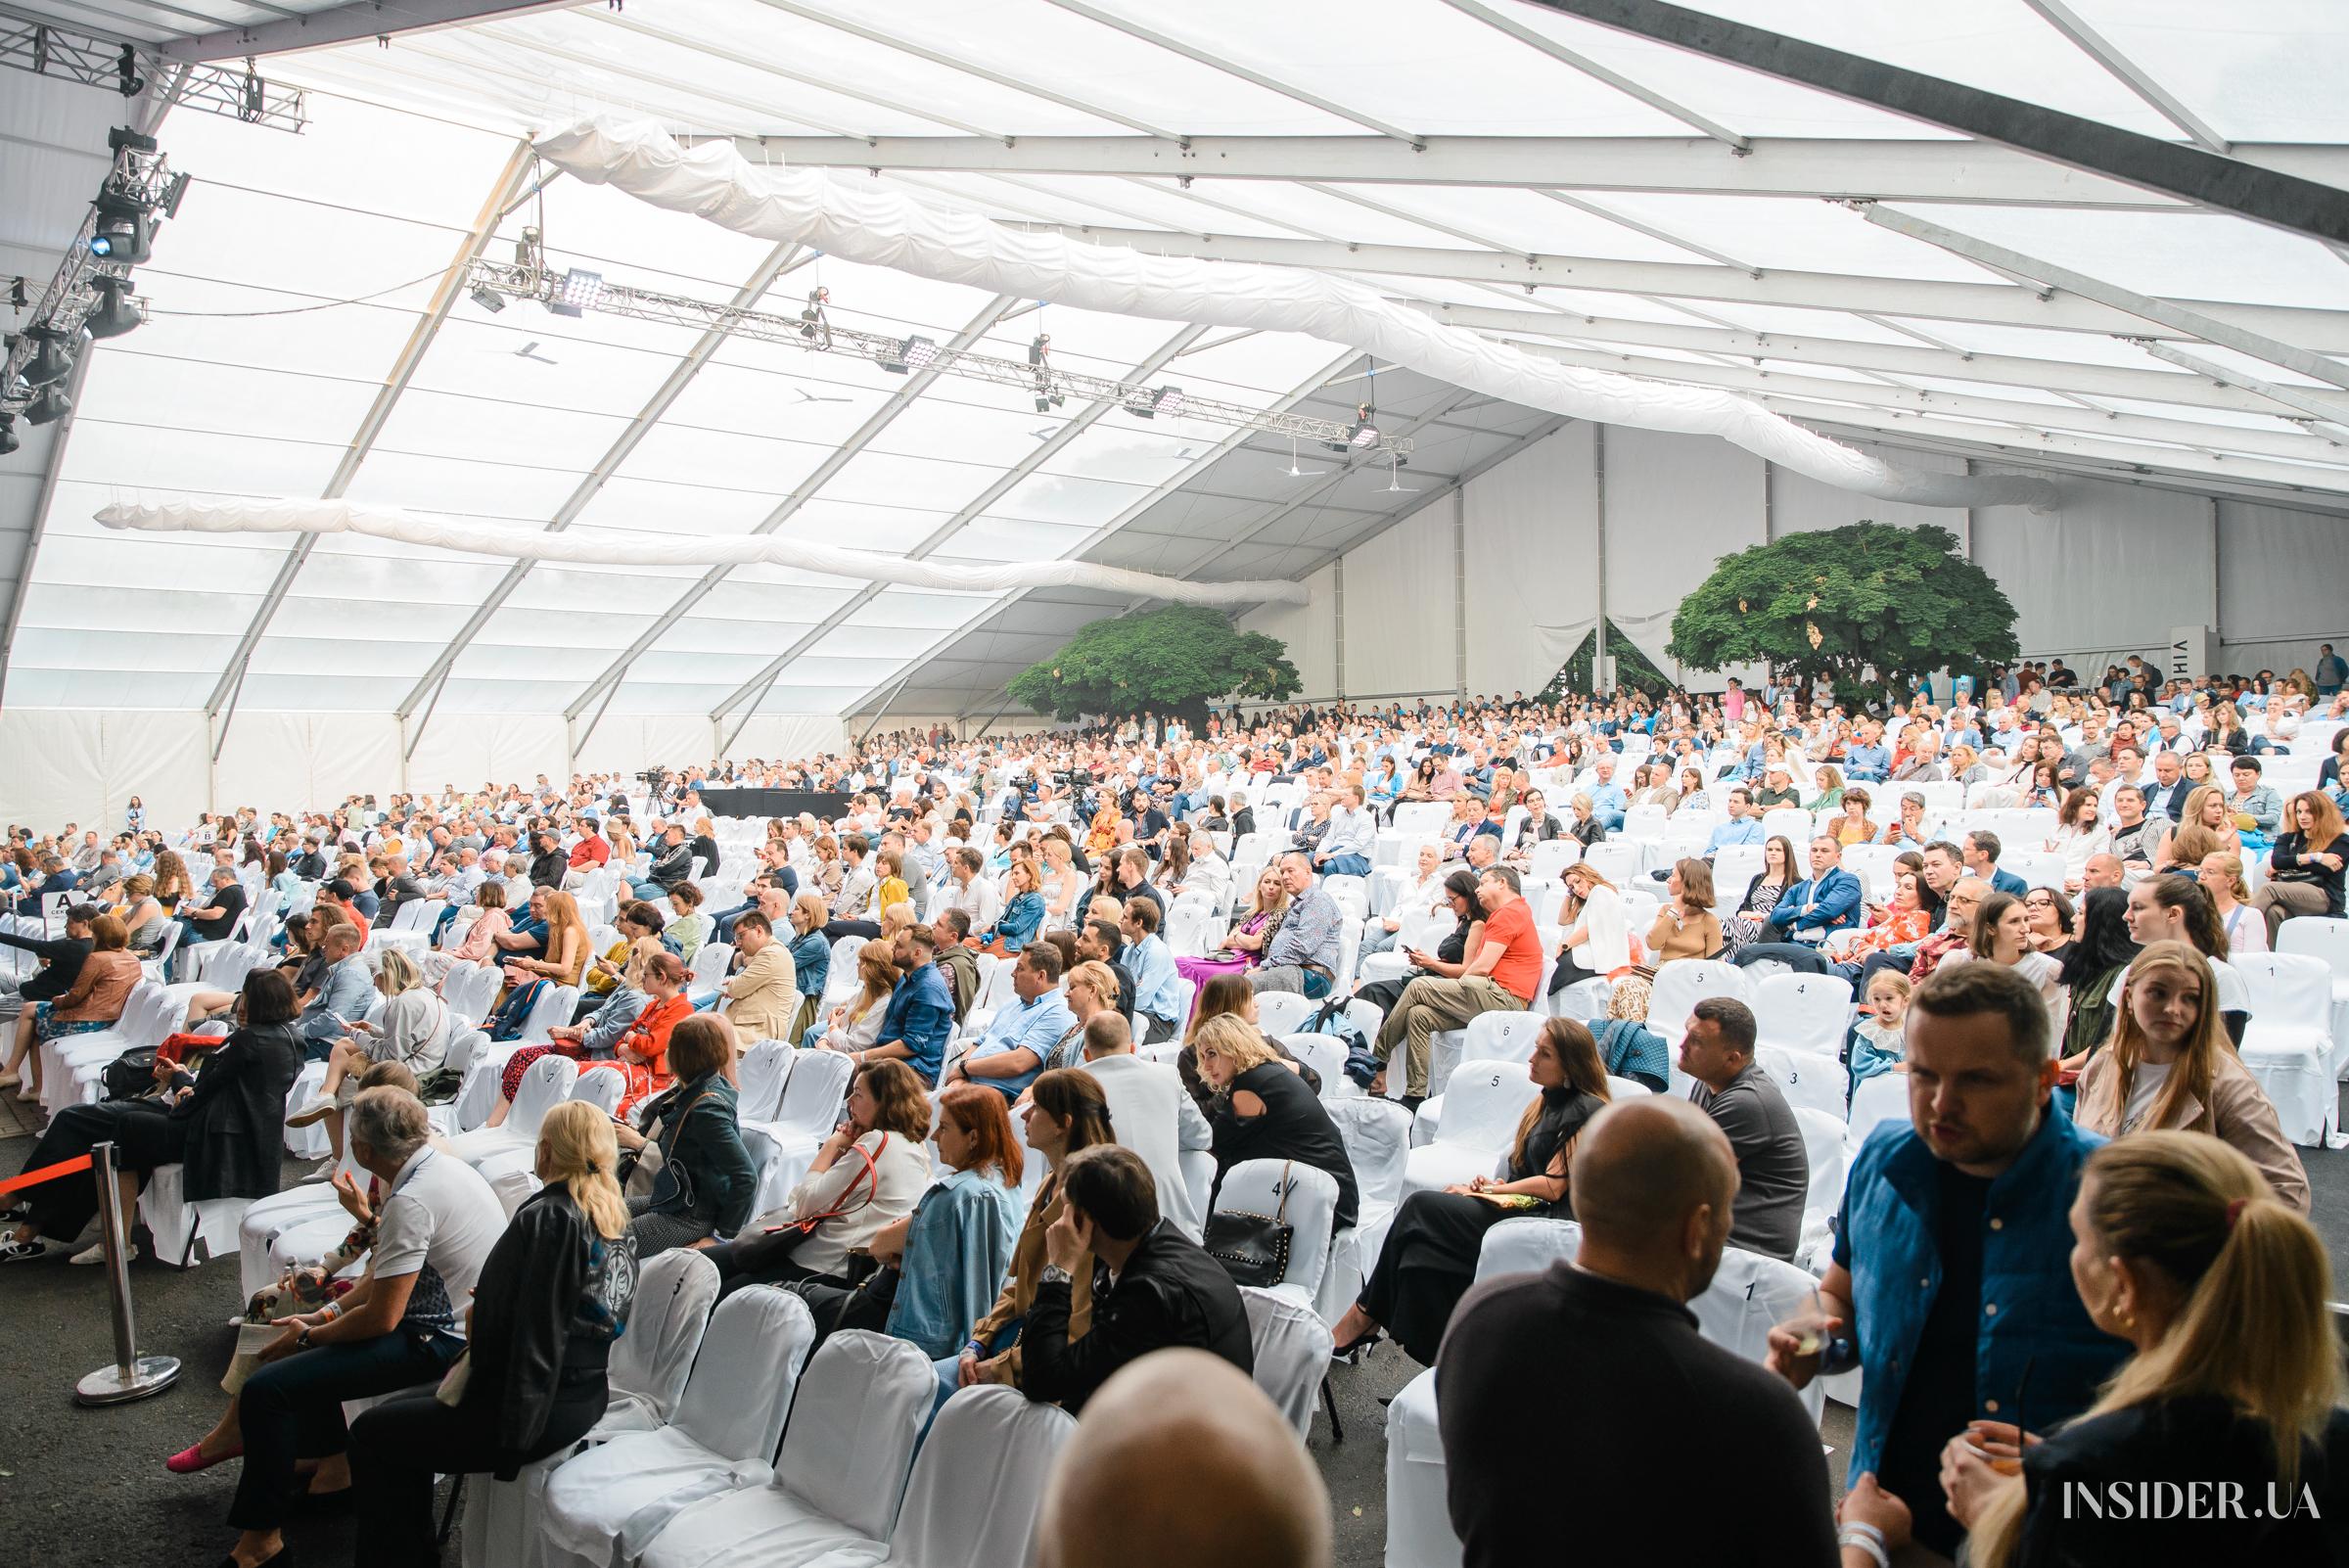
(2192, 653)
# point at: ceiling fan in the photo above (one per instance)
(1293, 471)
(528, 350)
(805, 396)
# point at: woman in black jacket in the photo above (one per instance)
(554, 1293)
(225, 1124)
(1263, 1111)
(707, 1181)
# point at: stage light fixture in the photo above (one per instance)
(8, 434)
(124, 231)
(914, 353)
(488, 300)
(1167, 400)
(48, 405)
(52, 358)
(115, 313)
(580, 291)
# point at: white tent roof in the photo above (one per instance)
(1615, 202)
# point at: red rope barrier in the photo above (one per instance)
(46, 1173)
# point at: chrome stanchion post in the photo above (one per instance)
(133, 1376)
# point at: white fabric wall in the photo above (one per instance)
(629, 742)
(65, 767)
(2110, 573)
(306, 758)
(1400, 608)
(1311, 630)
(779, 737)
(469, 750)
(1674, 506)
(2107, 574)
(1532, 533)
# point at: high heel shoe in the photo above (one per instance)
(189, 1461)
(282, 1557)
(1353, 1350)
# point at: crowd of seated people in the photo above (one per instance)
(1049, 925)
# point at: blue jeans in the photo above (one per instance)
(1346, 865)
(292, 1410)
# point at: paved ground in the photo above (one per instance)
(89, 1487)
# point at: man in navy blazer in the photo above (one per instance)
(1829, 901)
(1981, 850)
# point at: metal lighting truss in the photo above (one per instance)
(47, 50)
(573, 291)
(140, 173)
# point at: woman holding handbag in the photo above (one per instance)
(871, 1171)
(1429, 1259)
(689, 1179)
(1263, 1111)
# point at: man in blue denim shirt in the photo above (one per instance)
(921, 1010)
(1952, 1285)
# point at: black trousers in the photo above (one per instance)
(400, 1445)
(763, 1258)
(144, 1137)
(1426, 1268)
(292, 1410)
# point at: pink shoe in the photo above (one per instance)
(189, 1461)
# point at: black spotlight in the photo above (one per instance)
(8, 434)
(52, 360)
(124, 231)
(115, 313)
(49, 405)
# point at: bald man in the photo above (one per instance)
(1174, 1429)
(1609, 1339)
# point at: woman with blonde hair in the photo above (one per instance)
(1261, 1110)
(2180, 1249)
(141, 915)
(2220, 873)
(2168, 1064)
(1244, 945)
(560, 961)
(810, 958)
(553, 1294)
(856, 1023)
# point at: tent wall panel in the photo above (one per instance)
(1531, 536)
(785, 736)
(65, 765)
(628, 742)
(316, 760)
(2107, 574)
(1401, 635)
(1674, 506)
(469, 749)
(1311, 630)
(2282, 580)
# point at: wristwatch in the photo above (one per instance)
(1053, 1274)
(302, 1341)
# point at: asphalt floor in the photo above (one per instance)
(88, 1486)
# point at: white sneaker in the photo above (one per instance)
(95, 1253)
(316, 1110)
(326, 1169)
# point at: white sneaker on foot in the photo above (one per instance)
(95, 1253)
(316, 1110)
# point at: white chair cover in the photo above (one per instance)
(1306, 1199)
(178, 1226)
(1325, 1054)
(1810, 1080)
(1877, 1100)
(1418, 1509)
(2289, 1045)
(2321, 937)
(1284, 1012)
(601, 1086)
(1292, 1353)
(1480, 1112)
(545, 1084)
(513, 1175)
(1496, 1036)
(1804, 1012)
(1524, 1244)
(980, 1482)
(1679, 986)
(470, 990)
(1749, 1294)
(266, 1219)
(841, 1475)
(764, 1068)
(611, 1501)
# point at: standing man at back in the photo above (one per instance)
(1951, 1286)
(1609, 1337)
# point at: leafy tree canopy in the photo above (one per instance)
(1179, 659)
(1870, 597)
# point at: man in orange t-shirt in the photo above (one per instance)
(1502, 976)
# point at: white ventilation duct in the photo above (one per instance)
(862, 222)
(608, 547)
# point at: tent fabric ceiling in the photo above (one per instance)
(1460, 155)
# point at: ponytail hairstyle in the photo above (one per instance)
(577, 1147)
(2188, 1212)
(2203, 927)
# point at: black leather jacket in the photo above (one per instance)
(553, 1295)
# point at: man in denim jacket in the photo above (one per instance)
(1951, 1286)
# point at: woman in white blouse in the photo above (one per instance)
(410, 1025)
(2078, 835)
(2221, 874)
(1061, 883)
(1597, 939)
(1426, 896)
(869, 1173)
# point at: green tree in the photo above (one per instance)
(1176, 659)
(1850, 602)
